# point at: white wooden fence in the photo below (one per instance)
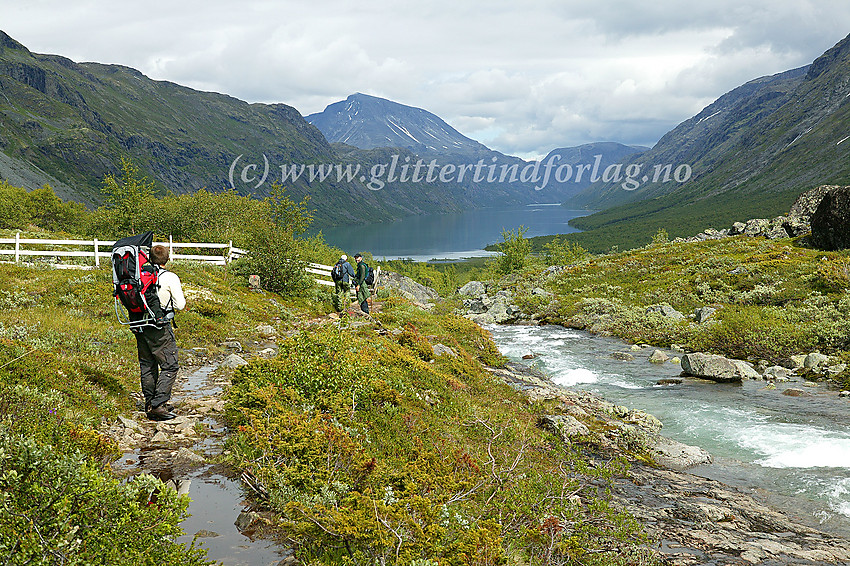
(17, 248)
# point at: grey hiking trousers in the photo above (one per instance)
(158, 363)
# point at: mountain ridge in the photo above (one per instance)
(752, 151)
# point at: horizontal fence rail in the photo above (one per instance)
(18, 248)
(95, 249)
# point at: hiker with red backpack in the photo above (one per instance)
(151, 295)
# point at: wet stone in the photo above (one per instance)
(160, 436)
(186, 458)
(129, 423)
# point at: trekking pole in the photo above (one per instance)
(18, 358)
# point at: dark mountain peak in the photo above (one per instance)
(368, 122)
(834, 55)
(7, 42)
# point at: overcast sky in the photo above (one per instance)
(520, 77)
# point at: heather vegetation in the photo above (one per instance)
(371, 449)
(773, 298)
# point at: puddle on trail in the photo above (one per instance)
(217, 497)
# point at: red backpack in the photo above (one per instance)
(136, 282)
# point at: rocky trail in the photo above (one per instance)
(185, 454)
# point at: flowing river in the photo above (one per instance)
(793, 451)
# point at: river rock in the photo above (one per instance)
(665, 310)
(233, 361)
(777, 373)
(703, 313)
(564, 426)
(746, 369)
(186, 459)
(623, 356)
(499, 310)
(814, 360)
(160, 436)
(674, 455)
(793, 392)
(128, 424)
(717, 368)
(797, 361)
(478, 305)
(245, 520)
(706, 522)
(658, 357)
(831, 220)
(472, 289)
(836, 369)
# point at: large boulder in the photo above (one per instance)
(472, 289)
(831, 220)
(408, 288)
(757, 227)
(665, 310)
(717, 368)
(807, 203)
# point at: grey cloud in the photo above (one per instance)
(521, 78)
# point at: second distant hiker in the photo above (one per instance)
(342, 273)
(360, 283)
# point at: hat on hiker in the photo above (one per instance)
(343, 257)
(357, 255)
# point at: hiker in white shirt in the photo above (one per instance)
(157, 345)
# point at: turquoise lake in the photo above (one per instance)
(450, 236)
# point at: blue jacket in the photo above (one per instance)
(347, 271)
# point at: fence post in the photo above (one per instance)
(229, 252)
(170, 247)
(17, 246)
(96, 257)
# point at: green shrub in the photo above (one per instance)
(60, 509)
(513, 252)
(556, 252)
(753, 332)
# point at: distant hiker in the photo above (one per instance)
(156, 343)
(360, 283)
(341, 274)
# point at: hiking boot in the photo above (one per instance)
(160, 413)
